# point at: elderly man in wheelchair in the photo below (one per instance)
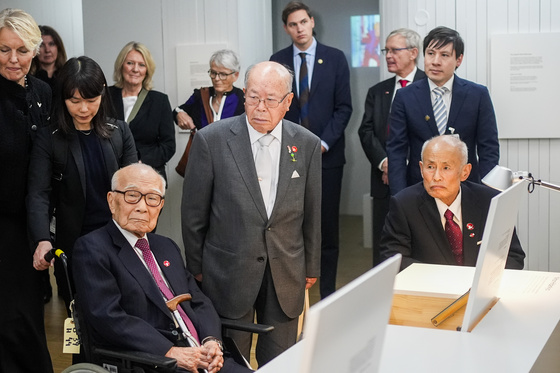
(128, 281)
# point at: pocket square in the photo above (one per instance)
(295, 175)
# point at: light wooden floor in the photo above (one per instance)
(354, 260)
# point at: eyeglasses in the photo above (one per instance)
(134, 196)
(213, 74)
(393, 50)
(268, 102)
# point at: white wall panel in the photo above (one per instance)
(476, 21)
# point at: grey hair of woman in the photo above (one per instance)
(226, 58)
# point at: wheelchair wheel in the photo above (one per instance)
(85, 368)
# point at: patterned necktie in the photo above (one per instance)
(263, 164)
(403, 82)
(440, 112)
(303, 91)
(143, 245)
(454, 236)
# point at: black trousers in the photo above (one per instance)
(330, 211)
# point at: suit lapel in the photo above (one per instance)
(109, 155)
(423, 96)
(240, 147)
(286, 167)
(76, 150)
(318, 69)
(472, 225)
(137, 269)
(387, 98)
(459, 95)
(428, 209)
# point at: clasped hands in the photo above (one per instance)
(208, 356)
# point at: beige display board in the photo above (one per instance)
(524, 83)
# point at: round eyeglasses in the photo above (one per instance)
(134, 196)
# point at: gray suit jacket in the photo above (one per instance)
(227, 234)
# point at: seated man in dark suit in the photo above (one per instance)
(441, 220)
(124, 275)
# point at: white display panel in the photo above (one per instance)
(524, 81)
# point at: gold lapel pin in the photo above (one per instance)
(320, 61)
(427, 118)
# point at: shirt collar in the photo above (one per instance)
(409, 77)
(310, 51)
(448, 84)
(255, 135)
(455, 206)
(130, 237)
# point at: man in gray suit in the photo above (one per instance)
(251, 212)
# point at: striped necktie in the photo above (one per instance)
(440, 112)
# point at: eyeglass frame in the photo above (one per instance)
(385, 51)
(141, 195)
(222, 76)
(266, 101)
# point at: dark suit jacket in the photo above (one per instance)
(412, 123)
(69, 187)
(330, 102)
(227, 234)
(152, 128)
(373, 131)
(413, 228)
(122, 303)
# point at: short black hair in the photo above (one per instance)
(441, 36)
(82, 75)
(294, 6)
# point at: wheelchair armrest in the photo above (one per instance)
(246, 327)
(162, 363)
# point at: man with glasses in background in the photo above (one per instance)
(441, 104)
(251, 212)
(401, 55)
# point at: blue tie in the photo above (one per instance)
(303, 91)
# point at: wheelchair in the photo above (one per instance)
(101, 360)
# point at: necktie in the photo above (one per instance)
(303, 91)
(440, 112)
(454, 236)
(263, 164)
(403, 82)
(143, 245)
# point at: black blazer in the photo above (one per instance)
(374, 129)
(121, 301)
(70, 188)
(152, 128)
(413, 227)
(330, 101)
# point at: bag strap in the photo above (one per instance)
(139, 101)
(205, 97)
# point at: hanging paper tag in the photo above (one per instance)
(71, 341)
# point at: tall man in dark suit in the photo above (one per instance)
(251, 212)
(421, 215)
(401, 55)
(441, 104)
(324, 106)
(115, 276)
